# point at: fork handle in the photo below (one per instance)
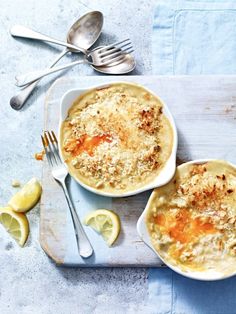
(84, 246)
(25, 79)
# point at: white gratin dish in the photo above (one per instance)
(166, 172)
(144, 235)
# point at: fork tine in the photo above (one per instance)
(45, 145)
(44, 142)
(54, 137)
(112, 45)
(50, 137)
(129, 51)
(115, 59)
(114, 49)
(54, 143)
(110, 59)
(115, 54)
(50, 147)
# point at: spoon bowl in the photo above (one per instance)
(85, 31)
(121, 67)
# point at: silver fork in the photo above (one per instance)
(114, 53)
(59, 172)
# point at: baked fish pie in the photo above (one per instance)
(192, 220)
(116, 138)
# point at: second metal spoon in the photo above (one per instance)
(83, 34)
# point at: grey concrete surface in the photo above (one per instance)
(29, 281)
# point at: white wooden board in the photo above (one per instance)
(204, 108)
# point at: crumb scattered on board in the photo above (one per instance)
(229, 109)
(15, 183)
(39, 156)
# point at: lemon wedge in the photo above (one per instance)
(16, 224)
(27, 197)
(105, 222)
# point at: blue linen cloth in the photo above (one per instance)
(193, 37)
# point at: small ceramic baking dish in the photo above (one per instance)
(165, 173)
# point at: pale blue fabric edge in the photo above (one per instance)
(163, 19)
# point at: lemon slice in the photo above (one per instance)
(105, 222)
(16, 224)
(27, 197)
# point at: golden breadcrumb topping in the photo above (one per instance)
(116, 138)
(192, 220)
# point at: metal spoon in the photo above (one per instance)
(112, 54)
(83, 34)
